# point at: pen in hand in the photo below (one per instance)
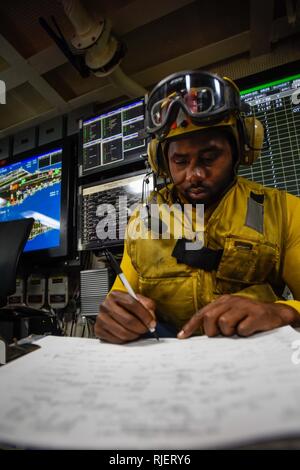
(117, 269)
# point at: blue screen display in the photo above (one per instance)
(32, 188)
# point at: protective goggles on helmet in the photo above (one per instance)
(202, 96)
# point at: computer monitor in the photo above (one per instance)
(35, 185)
(274, 97)
(112, 139)
(105, 207)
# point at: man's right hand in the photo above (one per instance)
(122, 319)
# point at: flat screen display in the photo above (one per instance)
(112, 139)
(105, 208)
(32, 188)
(276, 103)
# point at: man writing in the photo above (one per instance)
(233, 284)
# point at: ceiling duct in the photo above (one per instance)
(103, 52)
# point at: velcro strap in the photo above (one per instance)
(205, 258)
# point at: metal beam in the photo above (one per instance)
(47, 59)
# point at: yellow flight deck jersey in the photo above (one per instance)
(257, 228)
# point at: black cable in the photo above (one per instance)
(72, 326)
(90, 327)
(65, 327)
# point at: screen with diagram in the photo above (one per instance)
(32, 188)
(113, 138)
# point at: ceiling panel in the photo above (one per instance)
(69, 83)
(183, 31)
(161, 37)
(22, 103)
(19, 24)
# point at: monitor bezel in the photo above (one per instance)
(61, 250)
(94, 246)
(260, 81)
(120, 163)
(264, 77)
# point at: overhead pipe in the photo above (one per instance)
(103, 51)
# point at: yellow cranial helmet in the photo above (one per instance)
(192, 101)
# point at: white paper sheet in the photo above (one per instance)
(77, 393)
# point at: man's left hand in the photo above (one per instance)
(232, 314)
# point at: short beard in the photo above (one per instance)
(217, 196)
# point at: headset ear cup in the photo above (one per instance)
(156, 159)
(152, 155)
(255, 138)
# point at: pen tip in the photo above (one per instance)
(153, 331)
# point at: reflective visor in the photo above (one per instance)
(201, 95)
